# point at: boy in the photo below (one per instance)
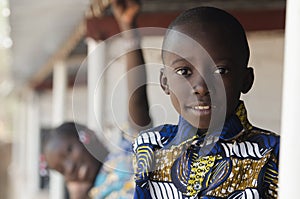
(67, 151)
(213, 152)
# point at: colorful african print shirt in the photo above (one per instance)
(239, 161)
(115, 179)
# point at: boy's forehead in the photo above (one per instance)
(56, 143)
(204, 40)
(204, 34)
(173, 60)
(184, 46)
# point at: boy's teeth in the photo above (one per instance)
(201, 107)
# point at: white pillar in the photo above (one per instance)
(32, 144)
(58, 116)
(24, 170)
(96, 84)
(289, 151)
(17, 168)
(59, 93)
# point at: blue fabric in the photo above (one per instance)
(178, 161)
(115, 179)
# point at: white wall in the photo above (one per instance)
(264, 99)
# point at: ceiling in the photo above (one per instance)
(40, 29)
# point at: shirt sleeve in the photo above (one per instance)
(271, 174)
(142, 164)
(141, 193)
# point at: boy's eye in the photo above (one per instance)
(69, 148)
(221, 71)
(184, 71)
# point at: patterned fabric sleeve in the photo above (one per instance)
(271, 172)
(144, 147)
(141, 193)
(143, 159)
(142, 165)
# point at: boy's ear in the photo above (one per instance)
(248, 81)
(164, 82)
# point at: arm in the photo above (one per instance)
(126, 12)
(78, 190)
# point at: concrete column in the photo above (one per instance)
(24, 169)
(17, 168)
(32, 144)
(59, 93)
(289, 151)
(96, 84)
(58, 116)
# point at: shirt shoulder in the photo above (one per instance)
(272, 138)
(263, 138)
(156, 137)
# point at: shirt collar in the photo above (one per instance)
(232, 127)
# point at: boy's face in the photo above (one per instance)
(68, 156)
(196, 81)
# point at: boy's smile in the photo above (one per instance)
(204, 83)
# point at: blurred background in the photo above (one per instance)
(44, 78)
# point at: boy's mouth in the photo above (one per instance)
(199, 107)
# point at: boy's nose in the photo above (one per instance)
(68, 166)
(200, 87)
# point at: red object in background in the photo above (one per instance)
(43, 171)
(253, 20)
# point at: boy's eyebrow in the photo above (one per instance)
(179, 60)
(225, 61)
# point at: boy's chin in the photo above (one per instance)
(207, 125)
(201, 125)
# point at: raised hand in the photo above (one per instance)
(125, 12)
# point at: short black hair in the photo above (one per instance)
(68, 129)
(216, 16)
(84, 135)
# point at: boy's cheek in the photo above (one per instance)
(174, 99)
(179, 85)
(232, 100)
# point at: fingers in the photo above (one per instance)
(125, 4)
(125, 12)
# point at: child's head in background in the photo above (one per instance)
(66, 153)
